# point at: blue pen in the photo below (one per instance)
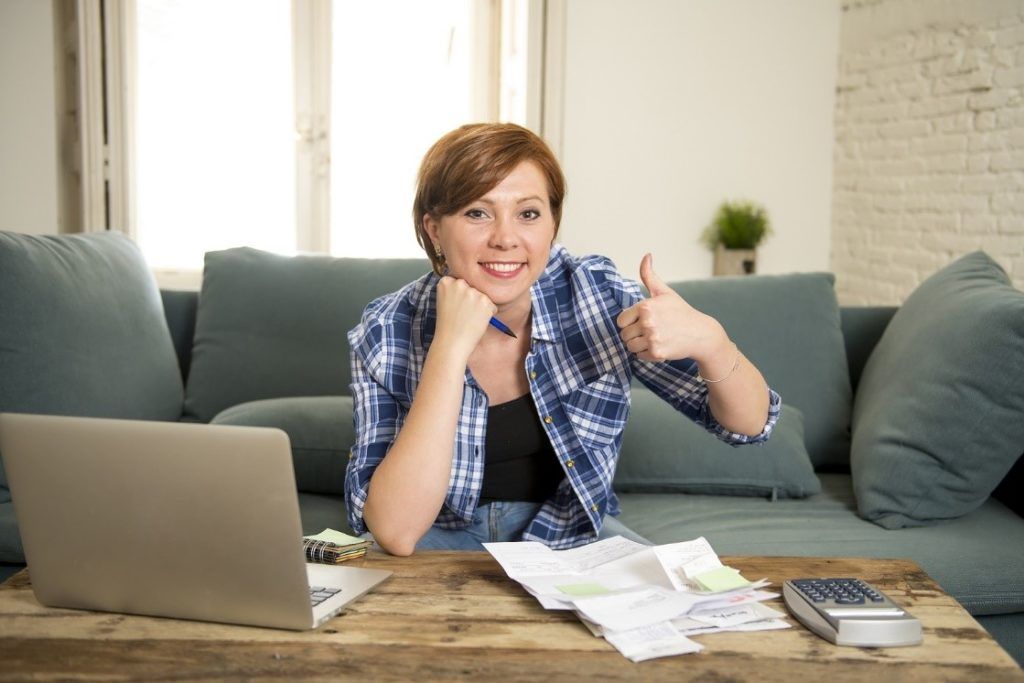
(502, 327)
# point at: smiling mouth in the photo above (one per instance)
(503, 268)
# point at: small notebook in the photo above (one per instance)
(333, 547)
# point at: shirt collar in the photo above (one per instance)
(543, 298)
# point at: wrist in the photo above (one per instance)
(449, 352)
(715, 348)
(719, 361)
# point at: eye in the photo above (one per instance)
(475, 214)
(530, 214)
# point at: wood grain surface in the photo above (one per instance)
(445, 616)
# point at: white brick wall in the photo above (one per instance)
(929, 155)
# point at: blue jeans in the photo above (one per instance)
(505, 521)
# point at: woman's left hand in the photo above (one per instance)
(666, 327)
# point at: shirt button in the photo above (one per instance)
(533, 374)
(548, 419)
(569, 463)
(594, 507)
(351, 454)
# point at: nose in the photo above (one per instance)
(503, 234)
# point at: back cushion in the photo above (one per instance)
(82, 330)
(788, 325)
(272, 326)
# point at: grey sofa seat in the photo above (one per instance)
(976, 558)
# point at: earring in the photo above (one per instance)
(438, 253)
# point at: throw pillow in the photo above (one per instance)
(272, 326)
(82, 330)
(319, 428)
(664, 452)
(937, 419)
(789, 326)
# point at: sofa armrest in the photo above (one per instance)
(180, 312)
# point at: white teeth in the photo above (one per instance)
(502, 267)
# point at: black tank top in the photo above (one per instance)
(521, 464)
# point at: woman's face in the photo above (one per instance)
(499, 244)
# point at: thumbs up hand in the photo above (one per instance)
(665, 327)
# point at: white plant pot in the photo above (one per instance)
(734, 261)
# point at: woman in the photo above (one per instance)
(467, 434)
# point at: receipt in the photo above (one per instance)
(656, 640)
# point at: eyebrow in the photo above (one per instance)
(532, 197)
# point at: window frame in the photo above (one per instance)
(107, 56)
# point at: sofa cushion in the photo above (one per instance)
(319, 512)
(272, 326)
(789, 326)
(82, 330)
(976, 558)
(662, 451)
(320, 431)
(937, 420)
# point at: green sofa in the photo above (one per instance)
(897, 436)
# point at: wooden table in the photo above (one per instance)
(446, 616)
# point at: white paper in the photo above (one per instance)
(527, 558)
(651, 605)
(734, 616)
(551, 586)
(689, 627)
(634, 608)
(530, 558)
(739, 596)
(593, 555)
(549, 602)
(682, 561)
(656, 640)
(765, 625)
(595, 629)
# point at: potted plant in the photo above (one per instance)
(735, 232)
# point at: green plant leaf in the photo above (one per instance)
(737, 225)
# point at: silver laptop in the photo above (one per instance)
(168, 519)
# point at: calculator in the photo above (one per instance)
(848, 611)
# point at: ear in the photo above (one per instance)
(432, 228)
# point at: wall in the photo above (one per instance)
(29, 200)
(672, 107)
(929, 157)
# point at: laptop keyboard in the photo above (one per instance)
(318, 594)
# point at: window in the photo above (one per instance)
(394, 93)
(299, 126)
(214, 129)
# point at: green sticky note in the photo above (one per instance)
(579, 589)
(336, 537)
(721, 579)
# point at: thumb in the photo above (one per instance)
(653, 283)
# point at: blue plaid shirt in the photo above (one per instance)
(580, 373)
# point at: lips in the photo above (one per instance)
(503, 269)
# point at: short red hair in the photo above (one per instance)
(469, 162)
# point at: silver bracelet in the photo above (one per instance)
(735, 365)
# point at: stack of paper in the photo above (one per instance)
(644, 600)
(332, 547)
